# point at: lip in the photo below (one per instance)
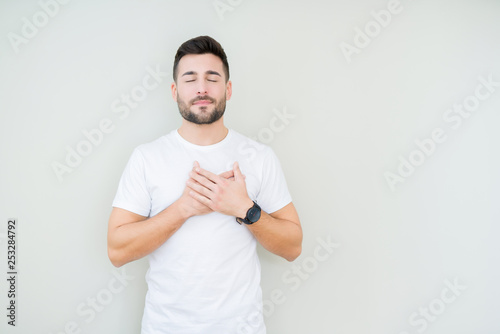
(202, 102)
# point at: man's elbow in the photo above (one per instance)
(295, 250)
(293, 254)
(115, 257)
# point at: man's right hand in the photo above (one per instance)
(192, 207)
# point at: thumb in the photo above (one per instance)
(237, 172)
(196, 164)
(228, 174)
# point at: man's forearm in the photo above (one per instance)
(130, 237)
(134, 240)
(279, 236)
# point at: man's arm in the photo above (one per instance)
(132, 236)
(279, 232)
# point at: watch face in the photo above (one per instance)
(254, 214)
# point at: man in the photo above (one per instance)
(198, 220)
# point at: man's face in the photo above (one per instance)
(201, 90)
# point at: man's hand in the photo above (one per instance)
(279, 232)
(190, 205)
(227, 195)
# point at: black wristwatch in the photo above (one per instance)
(253, 215)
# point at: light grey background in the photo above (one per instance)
(398, 249)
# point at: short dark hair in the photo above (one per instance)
(201, 45)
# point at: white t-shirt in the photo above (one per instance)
(206, 277)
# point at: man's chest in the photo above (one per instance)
(166, 179)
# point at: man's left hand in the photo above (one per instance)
(227, 196)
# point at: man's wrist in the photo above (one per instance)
(184, 212)
(245, 208)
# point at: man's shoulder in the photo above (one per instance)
(250, 149)
(244, 141)
(156, 145)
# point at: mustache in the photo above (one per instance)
(204, 97)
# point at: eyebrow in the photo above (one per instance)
(207, 72)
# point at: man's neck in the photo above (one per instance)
(203, 134)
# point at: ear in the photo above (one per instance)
(229, 90)
(174, 91)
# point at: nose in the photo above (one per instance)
(202, 89)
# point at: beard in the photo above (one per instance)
(204, 116)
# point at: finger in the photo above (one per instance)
(237, 172)
(196, 164)
(202, 180)
(199, 187)
(200, 198)
(209, 175)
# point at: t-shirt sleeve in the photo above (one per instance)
(273, 194)
(133, 194)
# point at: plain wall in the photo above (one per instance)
(416, 255)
